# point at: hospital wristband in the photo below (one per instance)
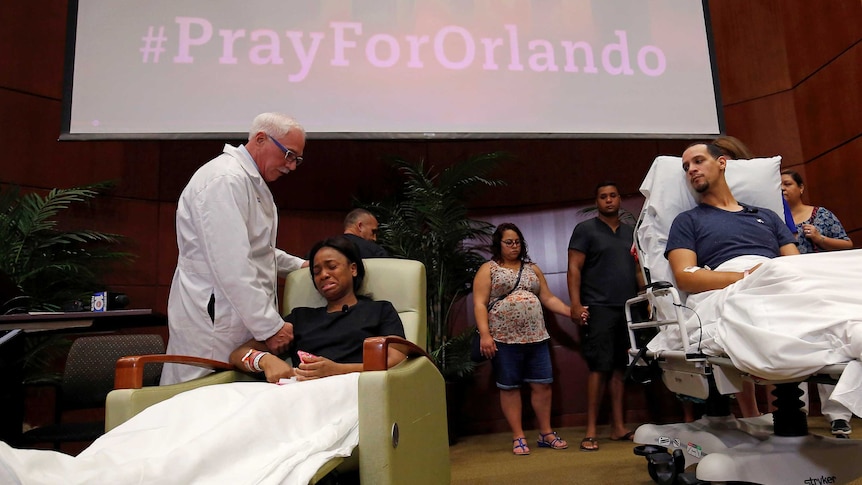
(256, 363)
(246, 359)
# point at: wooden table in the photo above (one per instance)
(109, 320)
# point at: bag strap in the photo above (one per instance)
(501, 297)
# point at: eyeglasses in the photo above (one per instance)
(511, 242)
(289, 154)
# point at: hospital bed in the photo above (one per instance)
(774, 448)
(402, 411)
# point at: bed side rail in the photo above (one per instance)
(664, 292)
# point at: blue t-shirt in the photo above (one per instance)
(717, 235)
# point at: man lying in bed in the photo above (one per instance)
(793, 317)
(720, 228)
(717, 230)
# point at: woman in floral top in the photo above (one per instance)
(508, 294)
(818, 230)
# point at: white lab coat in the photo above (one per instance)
(226, 228)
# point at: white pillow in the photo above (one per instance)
(754, 182)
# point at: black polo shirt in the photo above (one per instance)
(608, 276)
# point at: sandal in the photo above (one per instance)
(589, 444)
(629, 436)
(520, 447)
(556, 444)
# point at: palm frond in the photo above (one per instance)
(48, 265)
(428, 221)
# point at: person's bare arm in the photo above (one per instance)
(548, 299)
(639, 274)
(579, 313)
(481, 297)
(788, 250)
(683, 263)
(822, 241)
(273, 367)
(317, 367)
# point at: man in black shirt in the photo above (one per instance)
(601, 277)
(360, 227)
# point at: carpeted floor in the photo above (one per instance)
(488, 459)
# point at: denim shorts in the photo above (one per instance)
(515, 364)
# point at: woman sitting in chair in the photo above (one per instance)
(328, 340)
(192, 436)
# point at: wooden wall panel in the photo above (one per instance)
(551, 173)
(167, 243)
(32, 44)
(136, 221)
(142, 297)
(767, 125)
(178, 160)
(339, 171)
(299, 230)
(749, 48)
(817, 32)
(161, 303)
(34, 158)
(829, 104)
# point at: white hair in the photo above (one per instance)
(274, 124)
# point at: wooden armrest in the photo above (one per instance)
(129, 373)
(375, 351)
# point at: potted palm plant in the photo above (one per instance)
(427, 221)
(42, 267)
(47, 266)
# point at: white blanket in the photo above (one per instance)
(788, 319)
(245, 432)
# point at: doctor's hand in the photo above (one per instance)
(278, 343)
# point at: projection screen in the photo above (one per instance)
(391, 68)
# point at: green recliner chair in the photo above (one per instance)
(402, 411)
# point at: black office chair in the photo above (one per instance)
(88, 377)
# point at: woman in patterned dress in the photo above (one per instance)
(817, 227)
(508, 294)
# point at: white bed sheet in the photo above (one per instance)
(788, 319)
(244, 432)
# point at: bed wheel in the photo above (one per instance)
(689, 478)
(646, 450)
(664, 468)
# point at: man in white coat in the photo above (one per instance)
(224, 288)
